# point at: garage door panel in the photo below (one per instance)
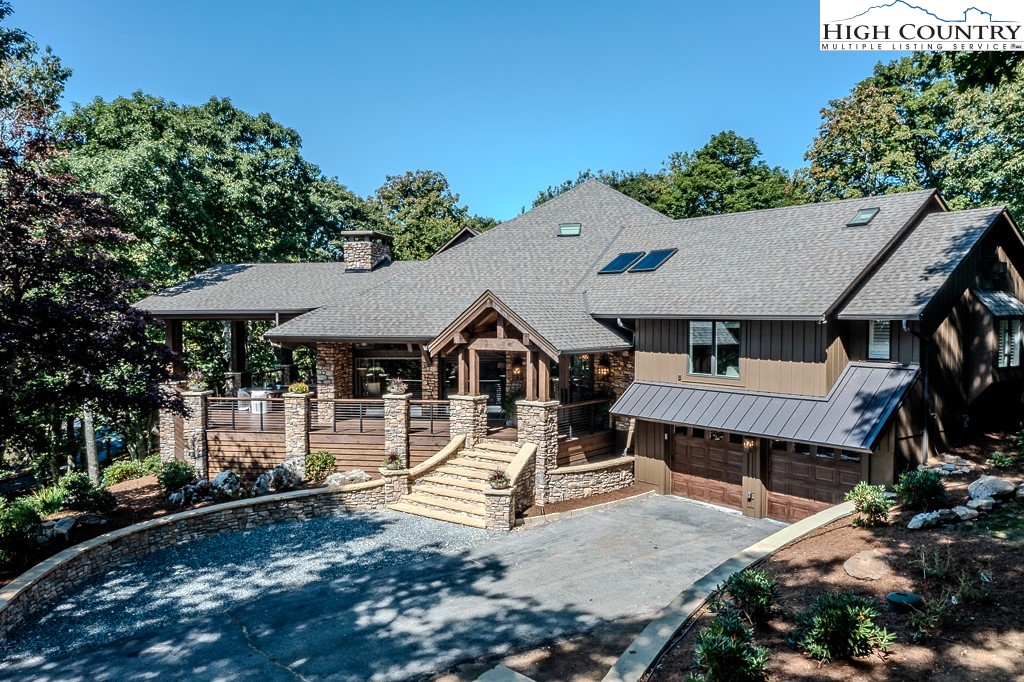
(709, 471)
(801, 484)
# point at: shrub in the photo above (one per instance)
(936, 564)
(920, 489)
(498, 480)
(839, 626)
(19, 525)
(928, 618)
(152, 464)
(319, 465)
(1001, 461)
(298, 387)
(175, 475)
(393, 462)
(752, 594)
(81, 495)
(725, 652)
(871, 503)
(123, 470)
(48, 500)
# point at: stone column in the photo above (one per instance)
(396, 484)
(195, 451)
(396, 427)
(499, 514)
(468, 415)
(333, 377)
(430, 372)
(620, 377)
(538, 424)
(166, 427)
(296, 425)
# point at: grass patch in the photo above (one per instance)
(1005, 523)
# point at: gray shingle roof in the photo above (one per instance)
(851, 416)
(786, 262)
(1000, 303)
(563, 320)
(265, 287)
(914, 272)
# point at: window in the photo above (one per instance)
(735, 438)
(569, 230)
(697, 433)
(716, 435)
(863, 217)
(780, 445)
(827, 453)
(653, 260)
(878, 340)
(801, 449)
(621, 262)
(715, 348)
(849, 456)
(1009, 343)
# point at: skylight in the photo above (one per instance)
(621, 262)
(653, 260)
(569, 230)
(863, 217)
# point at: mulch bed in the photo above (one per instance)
(979, 641)
(558, 507)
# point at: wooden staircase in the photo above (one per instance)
(454, 491)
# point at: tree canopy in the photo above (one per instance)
(421, 212)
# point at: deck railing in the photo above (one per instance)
(350, 414)
(245, 414)
(429, 415)
(589, 416)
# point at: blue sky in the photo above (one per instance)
(504, 98)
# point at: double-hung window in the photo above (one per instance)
(1009, 343)
(715, 348)
(878, 340)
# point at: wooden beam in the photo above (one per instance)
(526, 339)
(238, 346)
(463, 380)
(499, 327)
(563, 378)
(458, 338)
(175, 340)
(543, 378)
(497, 344)
(531, 375)
(474, 372)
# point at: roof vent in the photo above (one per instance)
(863, 217)
(569, 230)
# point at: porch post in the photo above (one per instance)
(168, 451)
(538, 424)
(543, 378)
(474, 372)
(237, 376)
(334, 377)
(195, 450)
(175, 340)
(531, 375)
(468, 415)
(396, 427)
(296, 425)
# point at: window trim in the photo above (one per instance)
(714, 350)
(1005, 359)
(871, 340)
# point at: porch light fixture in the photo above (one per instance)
(749, 443)
(603, 368)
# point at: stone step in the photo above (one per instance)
(439, 514)
(444, 503)
(452, 482)
(468, 472)
(488, 456)
(482, 465)
(448, 491)
(497, 447)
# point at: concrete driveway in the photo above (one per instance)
(375, 596)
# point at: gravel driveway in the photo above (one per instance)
(373, 596)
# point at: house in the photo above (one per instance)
(765, 361)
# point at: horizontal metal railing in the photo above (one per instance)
(429, 415)
(245, 414)
(589, 416)
(350, 414)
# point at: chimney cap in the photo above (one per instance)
(365, 236)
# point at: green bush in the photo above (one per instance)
(871, 503)
(319, 465)
(48, 500)
(123, 470)
(752, 594)
(920, 489)
(298, 387)
(1001, 461)
(81, 495)
(725, 652)
(152, 465)
(928, 618)
(19, 525)
(839, 626)
(175, 475)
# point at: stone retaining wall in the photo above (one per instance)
(574, 483)
(47, 580)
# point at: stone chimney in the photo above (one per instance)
(365, 250)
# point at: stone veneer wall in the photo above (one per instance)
(538, 424)
(46, 581)
(168, 452)
(296, 424)
(396, 427)
(515, 384)
(195, 449)
(573, 483)
(620, 376)
(365, 255)
(468, 416)
(430, 375)
(333, 376)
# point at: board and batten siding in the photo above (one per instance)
(775, 356)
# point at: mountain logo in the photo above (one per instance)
(934, 25)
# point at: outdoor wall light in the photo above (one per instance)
(749, 442)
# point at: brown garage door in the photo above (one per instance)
(802, 481)
(708, 470)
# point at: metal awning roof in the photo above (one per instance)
(850, 417)
(1000, 303)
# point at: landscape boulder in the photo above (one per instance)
(347, 477)
(92, 520)
(990, 486)
(276, 480)
(226, 485)
(1020, 493)
(63, 526)
(868, 565)
(297, 466)
(983, 504)
(965, 513)
(924, 520)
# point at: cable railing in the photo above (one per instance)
(245, 414)
(429, 415)
(589, 416)
(359, 415)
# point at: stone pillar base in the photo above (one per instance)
(396, 427)
(396, 484)
(500, 513)
(296, 425)
(195, 451)
(538, 424)
(468, 416)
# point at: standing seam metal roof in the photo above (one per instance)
(850, 417)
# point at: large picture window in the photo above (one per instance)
(1009, 343)
(715, 348)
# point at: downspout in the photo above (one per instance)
(632, 421)
(622, 325)
(925, 446)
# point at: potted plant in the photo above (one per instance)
(396, 386)
(298, 387)
(393, 463)
(196, 381)
(498, 480)
(508, 407)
